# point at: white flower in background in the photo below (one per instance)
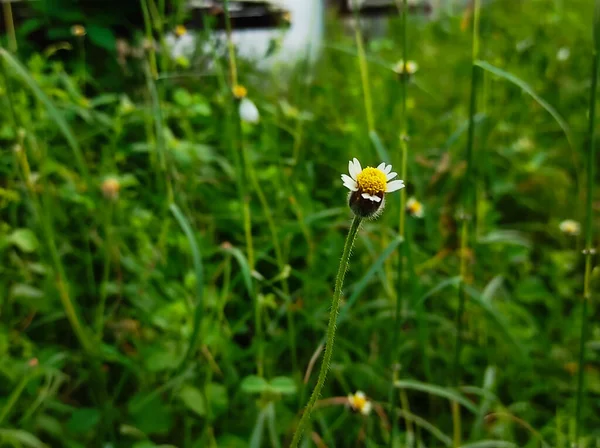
(563, 54)
(360, 403)
(415, 208)
(411, 67)
(570, 227)
(248, 111)
(368, 187)
(181, 46)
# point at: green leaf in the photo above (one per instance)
(439, 391)
(527, 89)
(197, 260)
(103, 37)
(192, 399)
(25, 240)
(20, 438)
(83, 420)
(283, 385)
(254, 385)
(56, 116)
(182, 97)
(217, 398)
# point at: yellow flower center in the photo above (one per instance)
(180, 30)
(358, 402)
(239, 91)
(415, 207)
(372, 181)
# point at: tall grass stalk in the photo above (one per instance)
(466, 216)
(364, 69)
(10, 26)
(331, 327)
(467, 191)
(245, 175)
(589, 251)
(403, 138)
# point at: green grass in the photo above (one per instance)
(190, 309)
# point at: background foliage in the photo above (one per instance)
(177, 335)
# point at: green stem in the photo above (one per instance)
(105, 273)
(331, 327)
(467, 189)
(591, 160)
(230, 47)
(364, 70)
(10, 26)
(149, 38)
(401, 228)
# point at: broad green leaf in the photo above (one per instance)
(25, 240)
(83, 420)
(103, 37)
(283, 385)
(193, 400)
(254, 384)
(217, 398)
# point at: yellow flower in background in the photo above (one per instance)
(78, 30)
(360, 403)
(180, 30)
(368, 187)
(415, 208)
(570, 227)
(239, 91)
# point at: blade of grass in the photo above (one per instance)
(438, 391)
(527, 89)
(197, 259)
(403, 140)
(591, 161)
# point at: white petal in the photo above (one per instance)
(347, 179)
(394, 185)
(360, 394)
(381, 166)
(248, 111)
(387, 169)
(366, 409)
(391, 176)
(351, 186)
(371, 197)
(355, 168)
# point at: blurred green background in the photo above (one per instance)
(167, 268)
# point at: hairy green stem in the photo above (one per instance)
(331, 327)
(591, 160)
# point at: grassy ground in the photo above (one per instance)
(167, 271)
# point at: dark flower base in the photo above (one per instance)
(365, 208)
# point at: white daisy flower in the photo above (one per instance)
(368, 187)
(360, 403)
(415, 208)
(248, 111)
(570, 227)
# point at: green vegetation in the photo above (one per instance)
(167, 263)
